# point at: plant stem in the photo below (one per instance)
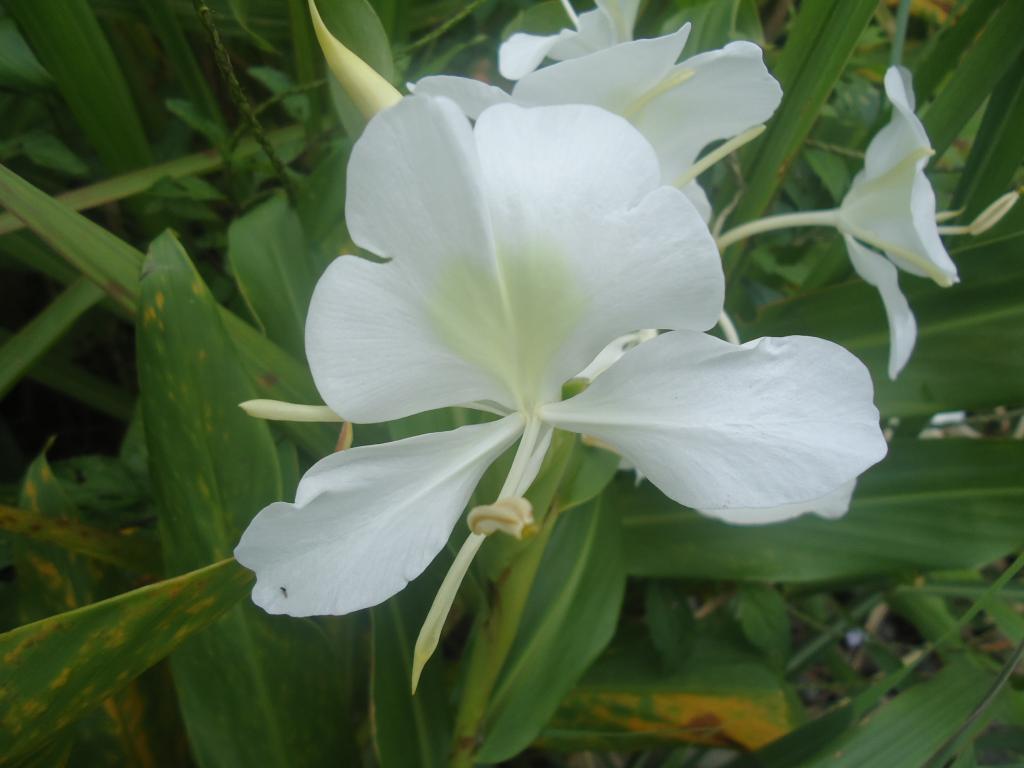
(783, 221)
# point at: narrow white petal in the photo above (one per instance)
(879, 272)
(831, 506)
(366, 521)
(375, 348)
(713, 425)
(522, 53)
(471, 96)
(622, 15)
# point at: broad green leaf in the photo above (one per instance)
(253, 689)
(722, 695)
(570, 616)
(909, 729)
(670, 623)
(905, 512)
(409, 731)
(19, 68)
(821, 39)
(998, 146)
(944, 51)
(970, 336)
(268, 255)
(57, 669)
(19, 352)
(994, 52)
(69, 42)
(127, 549)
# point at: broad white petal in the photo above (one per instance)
(615, 78)
(831, 506)
(471, 96)
(522, 53)
(695, 194)
(594, 30)
(730, 91)
(879, 272)
(414, 191)
(366, 521)
(589, 246)
(374, 345)
(715, 425)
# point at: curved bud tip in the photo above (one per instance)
(512, 516)
(370, 92)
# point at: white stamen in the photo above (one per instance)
(718, 154)
(728, 329)
(571, 13)
(278, 410)
(782, 221)
(985, 220)
(676, 78)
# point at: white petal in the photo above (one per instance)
(373, 345)
(831, 506)
(879, 272)
(471, 96)
(714, 425)
(588, 245)
(614, 78)
(594, 31)
(522, 53)
(695, 194)
(622, 15)
(892, 199)
(367, 520)
(414, 191)
(730, 92)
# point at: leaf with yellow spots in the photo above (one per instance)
(57, 669)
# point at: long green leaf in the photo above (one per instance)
(58, 668)
(821, 39)
(904, 515)
(33, 339)
(69, 42)
(944, 51)
(252, 690)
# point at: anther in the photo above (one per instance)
(513, 516)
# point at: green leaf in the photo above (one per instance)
(821, 39)
(57, 669)
(670, 623)
(943, 52)
(762, 615)
(19, 68)
(909, 729)
(24, 348)
(47, 151)
(722, 695)
(69, 42)
(569, 618)
(268, 255)
(969, 336)
(409, 731)
(253, 690)
(904, 514)
(994, 51)
(125, 549)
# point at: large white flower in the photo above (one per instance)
(519, 248)
(679, 107)
(610, 23)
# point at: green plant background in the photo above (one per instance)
(160, 235)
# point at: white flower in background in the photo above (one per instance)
(679, 107)
(519, 248)
(608, 24)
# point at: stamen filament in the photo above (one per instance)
(278, 410)
(828, 218)
(571, 13)
(672, 80)
(718, 154)
(728, 329)
(985, 220)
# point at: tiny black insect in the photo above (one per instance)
(283, 591)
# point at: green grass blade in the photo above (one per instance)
(69, 42)
(33, 339)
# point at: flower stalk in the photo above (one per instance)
(829, 218)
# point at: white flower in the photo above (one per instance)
(891, 208)
(610, 23)
(680, 108)
(519, 247)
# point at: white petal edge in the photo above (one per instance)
(773, 421)
(367, 520)
(471, 96)
(522, 53)
(878, 271)
(831, 506)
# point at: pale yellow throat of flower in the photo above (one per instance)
(510, 318)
